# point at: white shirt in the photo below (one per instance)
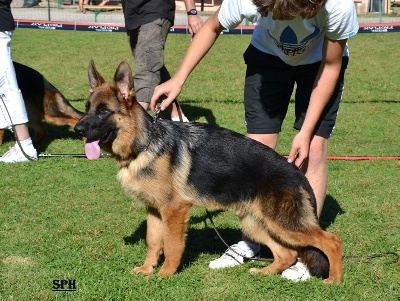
(298, 41)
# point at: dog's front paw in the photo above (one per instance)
(166, 272)
(255, 271)
(331, 280)
(145, 270)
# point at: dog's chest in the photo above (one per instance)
(138, 181)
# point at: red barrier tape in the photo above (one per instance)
(358, 158)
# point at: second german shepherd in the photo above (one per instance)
(43, 101)
(172, 166)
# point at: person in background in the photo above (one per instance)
(147, 24)
(30, 3)
(12, 106)
(295, 42)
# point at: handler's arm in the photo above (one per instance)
(201, 44)
(324, 86)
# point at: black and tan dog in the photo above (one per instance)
(172, 166)
(43, 101)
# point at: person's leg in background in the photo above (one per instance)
(12, 107)
(147, 45)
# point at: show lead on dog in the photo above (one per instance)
(302, 42)
(12, 107)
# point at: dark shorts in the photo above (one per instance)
(268, 88)
(147, 45)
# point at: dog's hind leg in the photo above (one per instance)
(175, 218)
(330, 245)
(283, 257)
(314, 236)
(154, 241)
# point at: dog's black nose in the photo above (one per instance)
(79, 129)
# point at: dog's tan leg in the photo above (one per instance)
(176, 219)
(283, 259)
(154, 241)
(330, 244)
(283, 256)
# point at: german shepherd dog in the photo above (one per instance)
(43, 102)
(173, 166)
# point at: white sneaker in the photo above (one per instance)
(297, 272)
(230, 258)
(15, 154)
(184, 118)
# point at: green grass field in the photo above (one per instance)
(67, 218)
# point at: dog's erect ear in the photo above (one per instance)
(124, 80)
(95, 79)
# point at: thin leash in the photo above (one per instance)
(361, 259)
(158, 110)
(12, 127)
(245, 258)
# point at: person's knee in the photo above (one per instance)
(318, 152)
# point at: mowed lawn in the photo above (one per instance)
(66, 218)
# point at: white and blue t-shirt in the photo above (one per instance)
(298, 41)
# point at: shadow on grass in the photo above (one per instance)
(57, 132)
(54, 133)
(330, 211)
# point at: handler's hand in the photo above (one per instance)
(165, 93)
(300, 149)
(195, 23)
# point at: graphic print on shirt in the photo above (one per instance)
(288, 42)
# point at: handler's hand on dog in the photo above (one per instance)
(165, 93)
(300, 149)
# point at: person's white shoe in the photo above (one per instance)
(14, 155)
(184, 118)
(297, 272)
(231, 258)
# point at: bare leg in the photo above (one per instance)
(22, 131)
(316, 170)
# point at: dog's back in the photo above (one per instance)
(227, 166)
(43, 99)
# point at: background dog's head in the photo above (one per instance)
(109, 107)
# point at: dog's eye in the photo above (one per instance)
(103, 112)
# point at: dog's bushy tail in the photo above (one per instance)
(316, 262)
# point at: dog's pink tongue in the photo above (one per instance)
(92, 150)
